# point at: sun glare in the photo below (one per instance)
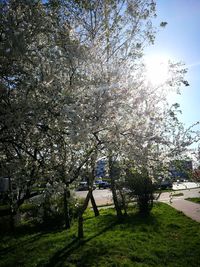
(157, 70)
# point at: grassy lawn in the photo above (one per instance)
(177, 194)
(194, 199)
(166, 238)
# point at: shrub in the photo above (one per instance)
(47, 209)
(141, 189)
(28, 207)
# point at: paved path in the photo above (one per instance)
(189, 208)
(185, 185)
(165, 196)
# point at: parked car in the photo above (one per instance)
(97, 182)
(166, 185)
(83, 186)
(103, 185)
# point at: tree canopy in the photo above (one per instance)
(73, 88)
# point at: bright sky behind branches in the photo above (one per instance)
(180, 41)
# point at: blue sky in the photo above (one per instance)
(180, 41)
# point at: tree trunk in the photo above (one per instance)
(66, 196)
(14, 219)
(113, 188)
(91, 179)
(12, 222)
(80, 226)
(124, 204)
(115, 199)
(12, 211)
(94, 206)
(80, 216)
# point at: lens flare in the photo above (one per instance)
(157, 70)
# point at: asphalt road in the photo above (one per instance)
(166, 196)
(104, 196)
(101, 196)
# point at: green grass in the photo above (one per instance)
(165, 238)
(4, 207)
(164, 190)
(194, 199)
(177, 194)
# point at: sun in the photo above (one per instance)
(157, 70)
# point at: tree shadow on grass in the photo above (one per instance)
(30, 228)
(33, 235)
(135, 218)
(61, 255)
(131, 221)
(17, 245)
(105, 223)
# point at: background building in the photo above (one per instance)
(101, 168)
(181, 169)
